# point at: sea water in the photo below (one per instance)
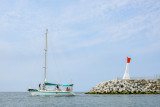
(24, 99)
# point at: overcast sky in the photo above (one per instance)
(88, 41)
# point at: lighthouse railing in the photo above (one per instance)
(143, 77)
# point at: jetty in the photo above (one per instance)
(127, 85)
(135, 86)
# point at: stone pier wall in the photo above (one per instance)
(136, 86)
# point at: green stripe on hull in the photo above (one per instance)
(50, 92)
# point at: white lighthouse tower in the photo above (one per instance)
(126, 74)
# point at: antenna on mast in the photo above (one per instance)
(45, 58)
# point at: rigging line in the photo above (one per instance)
(55, 59)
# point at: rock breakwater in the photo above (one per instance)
(136, 86)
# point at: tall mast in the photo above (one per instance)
(45, 58)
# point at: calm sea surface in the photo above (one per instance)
(23, 99)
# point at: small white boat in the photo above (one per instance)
(56, 91)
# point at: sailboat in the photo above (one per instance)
(57, 90)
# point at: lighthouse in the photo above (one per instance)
(126, 74)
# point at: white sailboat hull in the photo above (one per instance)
(51, 93)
